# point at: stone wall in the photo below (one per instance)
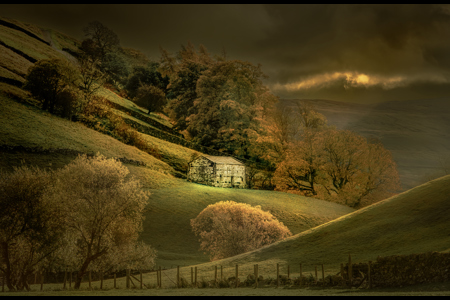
(204, 171)
(403, 270)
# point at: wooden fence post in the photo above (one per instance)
(300, 281)
(215, 274)
(178, 277)
(323, 276)
(65, 278)
(316, 273)
(195, 279)
(369, 274)
(90, 279)
(157, 278)
(278, 275)
(256, 275)
(350, 269)
(237, 276)
(101, 280)
(192, 275)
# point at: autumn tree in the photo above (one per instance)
(229, 107)
(229, 228)
(359, 171)
(151, 97)
(30, 225)
(47, 79)
(103, 215)
(90, 78)
(301, 168)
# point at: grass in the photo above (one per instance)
(414, 221)
(14, 62)
(27, 44)
(167, 226)
(30, 27)
(8, 74)
(434, 289)
(131, 105)
(28, 126)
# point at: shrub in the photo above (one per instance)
(228, 228)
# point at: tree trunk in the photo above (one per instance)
(84, 267)
(7, 273)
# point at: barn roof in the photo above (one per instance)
(223, 160)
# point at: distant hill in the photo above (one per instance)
(417, 132)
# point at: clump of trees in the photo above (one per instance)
(86, 215)
(216, 102)
(228, 228)
(320, 161)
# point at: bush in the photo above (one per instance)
(228, 228)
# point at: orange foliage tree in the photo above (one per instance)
(331, 164)
(228, 228)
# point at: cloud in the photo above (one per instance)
(387, 46)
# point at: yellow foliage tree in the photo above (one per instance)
(228, 228)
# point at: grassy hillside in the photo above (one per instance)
(34, 137)
(167, 226)
(415, 221)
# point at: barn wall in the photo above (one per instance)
(230, 176)
(201, 170)
(206, 172)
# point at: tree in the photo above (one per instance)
(151, 97)
(104, 40)
(115, 67)
(30, 224)
(229, 228)
(358, 170)
(301, 168)
(90, 78)
(145, 75)
(47, 79)
(103, 213)
(229, 107)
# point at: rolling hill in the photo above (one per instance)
(34, 137)
(415, 221)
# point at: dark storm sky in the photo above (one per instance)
(360, 53)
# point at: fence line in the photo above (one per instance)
(384, 272)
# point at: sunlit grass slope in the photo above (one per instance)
(173, 201)
(31, 127)
(414, 221)
(167, 226)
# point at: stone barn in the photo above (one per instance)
(218, 171)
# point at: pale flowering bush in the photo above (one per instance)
(103, 215)
(228, 228)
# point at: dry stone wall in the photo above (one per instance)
(404, 270)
